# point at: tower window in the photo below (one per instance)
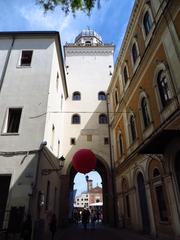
(76, 96)
(106, 140)
(72, 141)
(101, 96)
(26, 58)
(75, 119)
(13, 120)
(103, 119)
(89, 138)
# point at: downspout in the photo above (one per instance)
(111, 167)
(6, 63)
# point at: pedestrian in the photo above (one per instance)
(85, 218)
(93, 219)
(26, 228)
(53, 225)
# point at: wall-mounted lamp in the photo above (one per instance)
(50, 170)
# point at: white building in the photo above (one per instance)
(32, 87)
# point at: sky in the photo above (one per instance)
(110, 21)
(80, 181)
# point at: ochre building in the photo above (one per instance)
(144, 106)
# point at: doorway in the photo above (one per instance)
(4, 190)
(143, 204)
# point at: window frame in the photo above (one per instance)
(133, 134)
(5, 130)
(147, 37)
(74, 96)
(102, 121)
(136, 61)
(162, 109)
(21, 56)
(101, 96)
(148, 24)
(75, 122)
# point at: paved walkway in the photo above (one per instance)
(100, 232)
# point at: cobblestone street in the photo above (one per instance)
(100, 232)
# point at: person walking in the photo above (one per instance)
(53, 225)
(85, 218)
(93, 219)
(26, 228)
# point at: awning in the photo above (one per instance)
(157, 143)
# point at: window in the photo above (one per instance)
(120, 144)
(103, 119)
(88, 43)
(164, 91)
(47, 195)
(58, 149)
(57, 82)
(132, 128)
(145, 112)
(52, 136)
(161, 203)
(76, 96)
(26, 58)
(75, 119)
(89, 138)
(101, 96)
(72, 141)
(13, 120)
(106, 140)
(116, 97)
(147, 23)
(134, 53)
(156, 172)
(125, 74)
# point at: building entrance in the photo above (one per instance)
(4, 190)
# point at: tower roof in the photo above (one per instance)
(88, 34)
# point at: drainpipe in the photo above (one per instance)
(6, 63)
(111, 166)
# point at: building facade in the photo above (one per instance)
(31, 90)
(88, 68)
(144, 97)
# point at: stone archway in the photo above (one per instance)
(66, 187)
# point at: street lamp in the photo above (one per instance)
(50, 170)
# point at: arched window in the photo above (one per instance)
(125, 74)
(75, 119)
(76, 96)
(116, 97)
(145, 112)
(132, 128)
(134, 53)
(120, 141)
(158, 191)
(156, 172)
(163, 87)
(103, 119)
(101, 96)
(147, 23)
